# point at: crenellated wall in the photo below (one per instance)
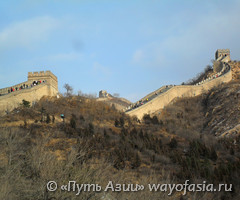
(222, 56)
(156, 91)
(4, 91)
(31, 93)
(179, 91)
(48, 76)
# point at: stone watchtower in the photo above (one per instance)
(39, 84)
(221, 56)
(222, 53)
(103, 94)
(47, 77)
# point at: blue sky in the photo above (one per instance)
(130, 47)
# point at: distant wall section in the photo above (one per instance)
(221, 56)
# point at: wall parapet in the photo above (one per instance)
(5, 90)
(46, 77)
(32, 75)
(8, 94)
(165, 98)
(39, 84)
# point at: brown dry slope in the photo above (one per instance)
(235, 65)
(90, 148)
(119, 103)
(216, 112)
(223, 110)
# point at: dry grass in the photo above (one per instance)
(89, 148)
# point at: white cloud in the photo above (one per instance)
(27, 33)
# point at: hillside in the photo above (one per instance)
(222, 110)
(119, 103)
(96, 143)
(235, 69)
(215, 112)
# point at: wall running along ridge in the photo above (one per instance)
(179, 91)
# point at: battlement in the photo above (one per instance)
(103, 94)
(39, 84)
(43, 77)
(41, 74)
(222, 53)
(222, 56)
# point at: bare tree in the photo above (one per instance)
(69, 89)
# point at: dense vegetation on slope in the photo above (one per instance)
(96, 144)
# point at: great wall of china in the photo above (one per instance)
(39, 84)
(42, 83)
(163, 96)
